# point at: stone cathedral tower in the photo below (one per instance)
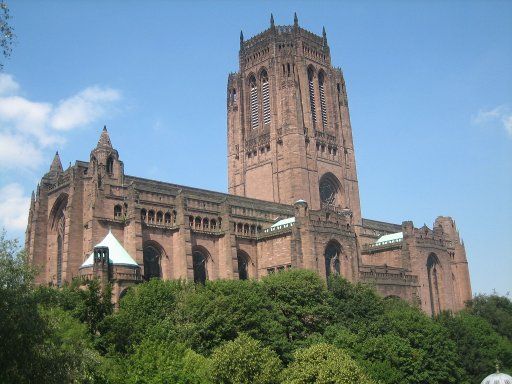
(289, 132)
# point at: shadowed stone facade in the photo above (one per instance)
(293, 197)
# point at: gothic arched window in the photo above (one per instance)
(117, 211)
(167, 218)
(159, 217)
(243, 265)
(311, 77)
(143, 214)
(59, 260)
(433, 274)
(152, 258)
(265, 95)
(332, 259)
(58, 228)
(254, 102)
(329, 189)
(199, 259)
(321, 88)
(151, 216)
(110, 165)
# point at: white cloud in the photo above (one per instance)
(14, 206)
(507, 123)
(16, 152)
(29, 128)
(83, 108)
(501, 114)
(8, 86)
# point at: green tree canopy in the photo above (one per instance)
(497, 310)
(245, 361)
(324, 364)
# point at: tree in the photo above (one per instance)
(22, 330)
(220, 310)
(324, 364)
(143, 307)
(479, 346)
(497, 310)
(6, 32)
(152, 362)
(354, 304)
(38, 345)
(301, 298)
(433, 357)
(245, 361)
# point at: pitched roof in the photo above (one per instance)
(116, 253)
(390, 237)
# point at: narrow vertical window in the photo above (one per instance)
(110, 165)
(59, 261)
(312, 95)
(265, 94)
(254, 103)
(321, 87)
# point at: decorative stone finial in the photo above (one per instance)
(295, 20)
(271, 20)
(56, 165)
(104, 140)
(241, 39)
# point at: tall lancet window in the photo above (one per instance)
(60, 240)
(433, 274)
(265, 94)
(312, 95)
(254, 102)
(321, 87)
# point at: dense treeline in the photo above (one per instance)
(287, 328)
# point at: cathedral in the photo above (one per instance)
(293, 198)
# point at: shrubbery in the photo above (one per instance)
(289, 327)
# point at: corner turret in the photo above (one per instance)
(104, 160)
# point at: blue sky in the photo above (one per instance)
(429, 85)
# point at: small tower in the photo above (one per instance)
(104, 161)
(101, 265)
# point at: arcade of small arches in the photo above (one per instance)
(204, 223)
(247, 229)
(158, 217)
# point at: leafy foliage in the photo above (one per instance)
(324, 364)
(479, 345)
(287, 328)
(497, 310)
(245, 361)
(6, 32)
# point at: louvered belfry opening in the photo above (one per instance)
(265, 93)
(312, 95)
(254, 103)
(323, 107)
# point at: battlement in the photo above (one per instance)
(283, 34)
